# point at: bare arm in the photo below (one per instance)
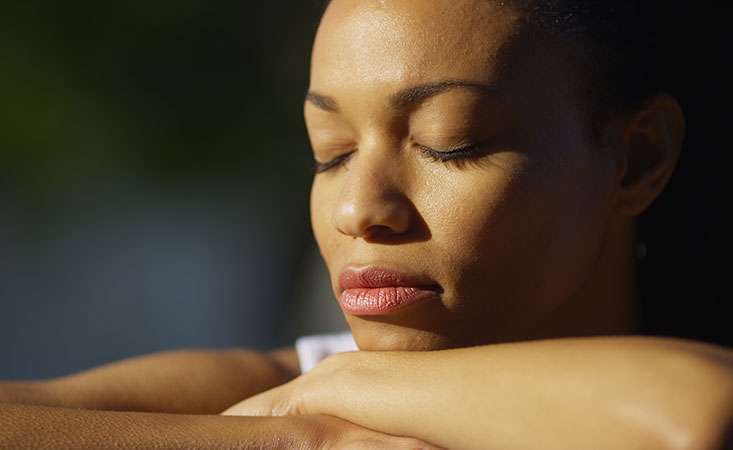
(600, 393)
(36, 427)
(33, 427)
(191, 384)
(184, 382)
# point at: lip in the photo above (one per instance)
(380, 291)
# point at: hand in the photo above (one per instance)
(316, 393)
(308, 394)
(327, 433)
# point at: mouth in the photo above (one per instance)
(372, 291)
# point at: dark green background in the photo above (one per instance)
(154, 176)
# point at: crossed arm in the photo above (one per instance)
(170, 400)
(176, 382)
(600, 393)
(595, 393)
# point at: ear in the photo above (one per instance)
(652, 141)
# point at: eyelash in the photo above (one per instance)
(455, 155)
(319, 167)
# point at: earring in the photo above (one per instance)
(641, 250)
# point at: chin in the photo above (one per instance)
(377, 335)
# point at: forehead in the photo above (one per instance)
(407, 42)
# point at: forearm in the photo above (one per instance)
(582, 393)
(39, 427)
(185, 382)
(34, 427)
(28, 393)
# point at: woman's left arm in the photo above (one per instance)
(601, 393)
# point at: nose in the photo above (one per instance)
(372, 202)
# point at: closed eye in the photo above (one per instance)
(456, 155)
(320, 167)
(466, 151)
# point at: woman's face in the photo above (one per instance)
(507, 231)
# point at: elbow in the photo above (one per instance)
(687, 396)
(707, 431)
(717, 434)
(708, 438)
(704, 404)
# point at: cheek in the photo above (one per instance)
(321, 204)
(318, 213)
(514, 232)
(471, 213)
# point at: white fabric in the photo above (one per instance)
(312, 349)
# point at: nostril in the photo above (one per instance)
(377, 231)
(373, 213)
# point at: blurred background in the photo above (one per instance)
(154, 178)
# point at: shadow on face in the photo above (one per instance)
(452, 146)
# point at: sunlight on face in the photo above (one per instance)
(452, 148)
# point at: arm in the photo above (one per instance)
(601, 393)
(191, 382)
(186, 382)
(35, 427)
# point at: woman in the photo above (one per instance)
(480, 168)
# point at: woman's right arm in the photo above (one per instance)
(39, 427)
(170, 400)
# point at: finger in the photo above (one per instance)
(340, 434)
(378, 444)
(250, 407)
(385, 441)
(275, 402)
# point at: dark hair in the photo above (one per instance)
(633, 49)
(628, 44)
(626, 50)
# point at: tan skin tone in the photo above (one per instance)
(531, 239)
(521, 235)
(171, 400)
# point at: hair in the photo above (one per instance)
(632, 50)
(626, 42)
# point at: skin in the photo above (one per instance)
(531, 241)
(171, 400)
(572, 393)
(31, 428)
(532, 238)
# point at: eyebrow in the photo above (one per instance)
(323, 102)
(407, 97)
